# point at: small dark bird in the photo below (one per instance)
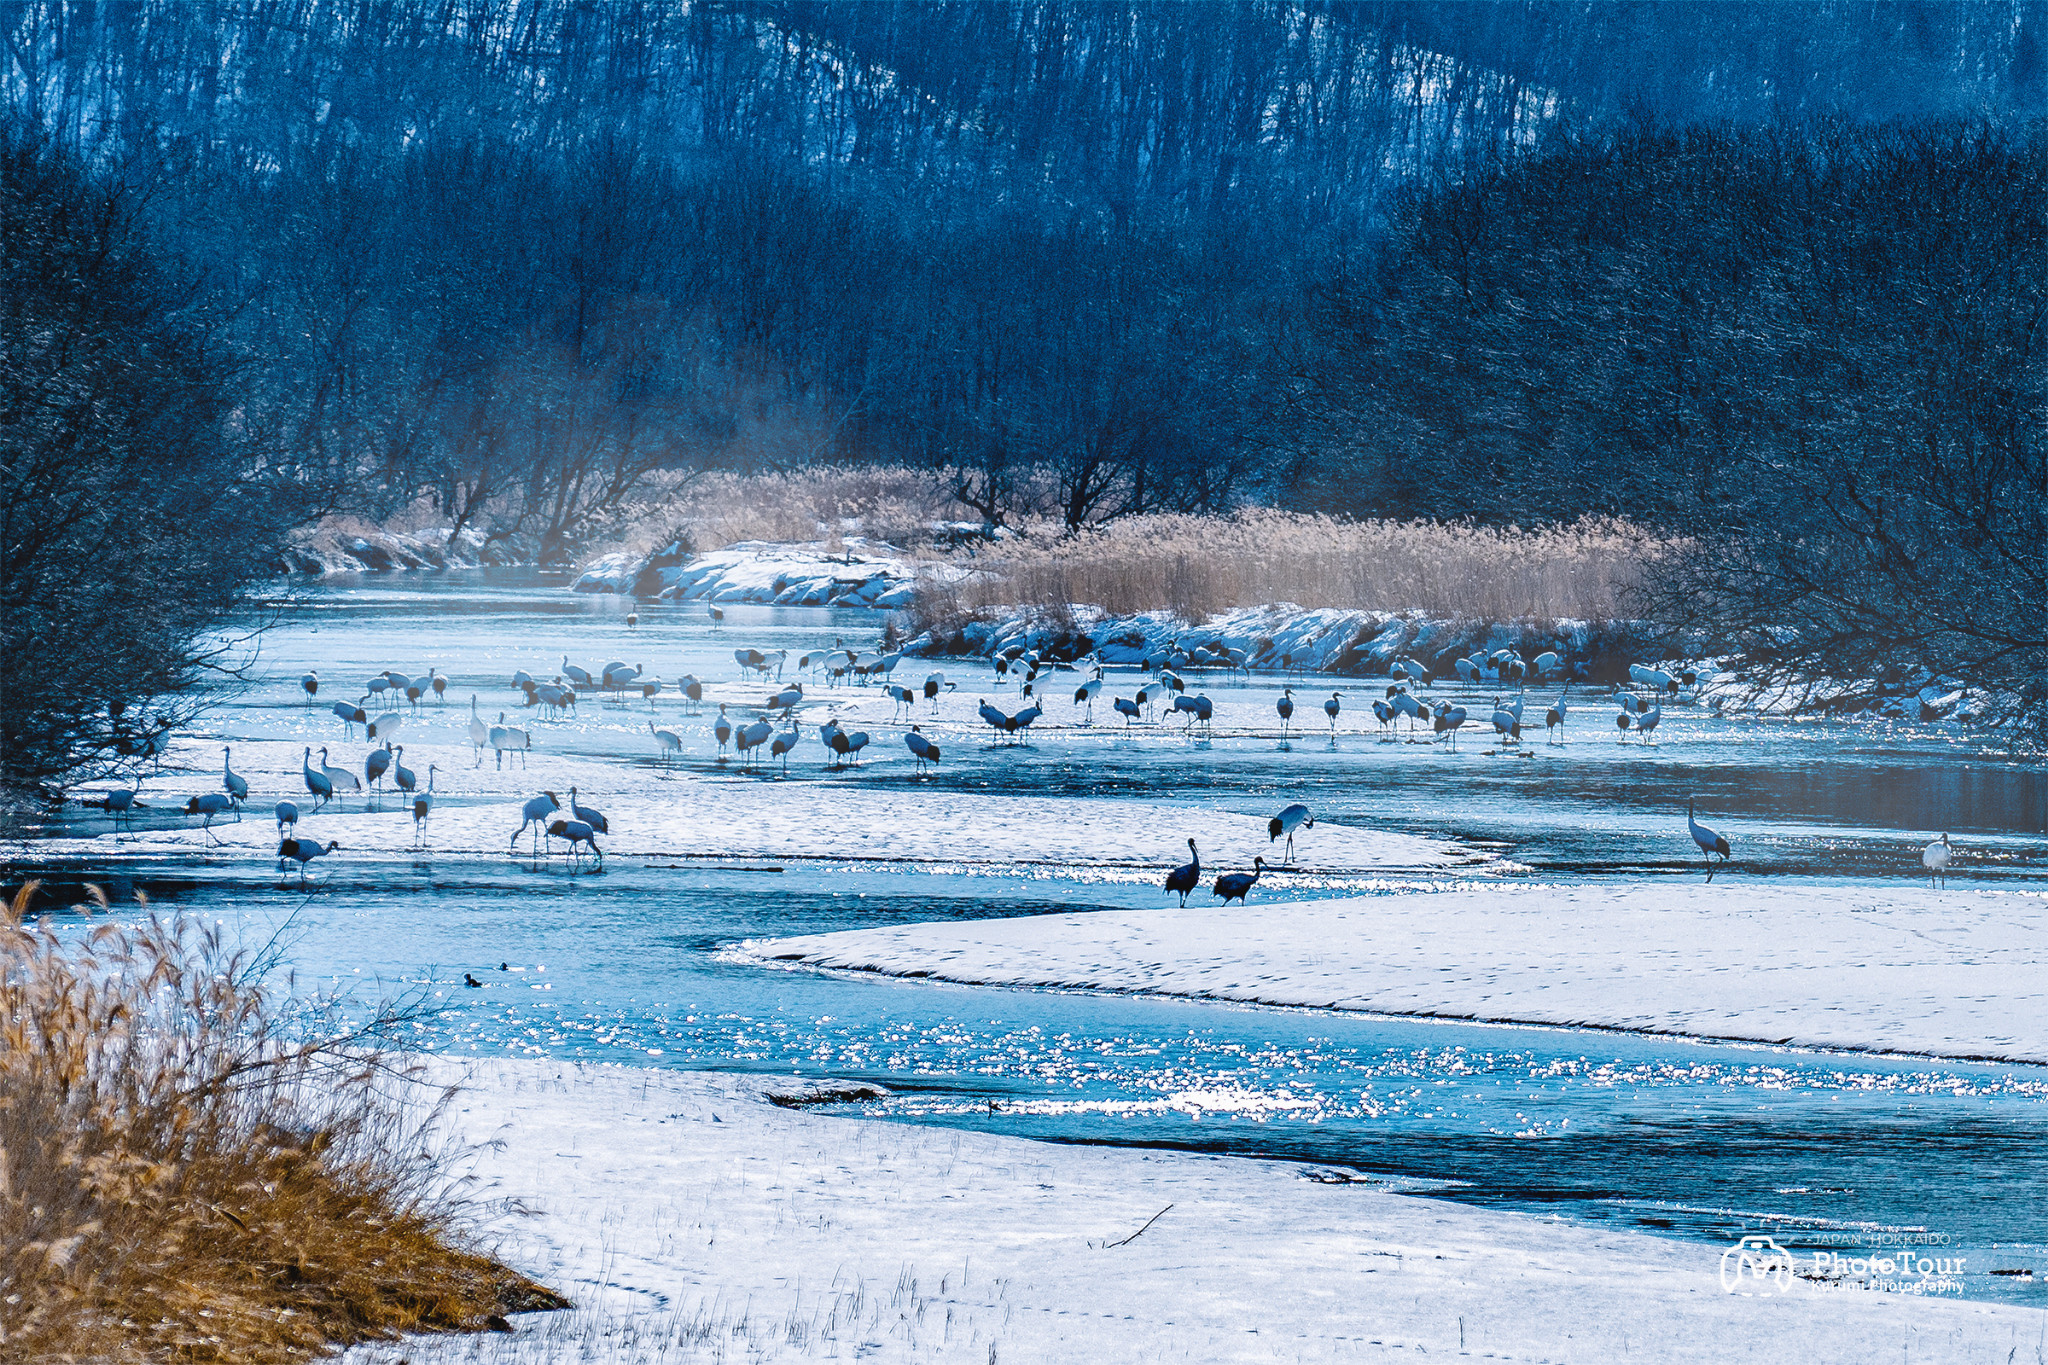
(1187, 876)
(1235, 886)
(469, 979)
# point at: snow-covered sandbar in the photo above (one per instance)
(1885, 967)
(690, 1220)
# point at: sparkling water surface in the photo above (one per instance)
(1690, 1139)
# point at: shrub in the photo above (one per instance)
(185, 1176)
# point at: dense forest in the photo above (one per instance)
(1686, 262)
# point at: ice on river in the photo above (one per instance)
(1898, 967)
(688, 1219)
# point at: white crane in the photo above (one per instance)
(311, 683)
(1290, 819)
(408, 781)
(577, 833)
(479, 733)
(1086, 693)
(671, 743)
(1708, 840)
(237, 786)
(339, 778)
(505, 737)
(1935, 858)
(721, 729)
(534, 815)
(1553, 721)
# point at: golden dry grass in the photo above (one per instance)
(1197, 566)
(185, 1178)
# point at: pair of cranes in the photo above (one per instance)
(579, 829)
(1235, 886)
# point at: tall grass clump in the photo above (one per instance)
(186, 1175)
(1197, 566)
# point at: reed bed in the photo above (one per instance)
(184, 1176)
(1196, 566)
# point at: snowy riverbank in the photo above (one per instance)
(688, 1219)
(855, 573)
(1876, 967)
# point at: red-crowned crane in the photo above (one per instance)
(376, 764)
(237, 786)
(210, 805)
(302, 851)
(1332, 707)
(721, 730)
(1447, 723)
(671, 743)
(921, 749)
(1285, 706)
(1235, 886)
(578, 834)
(422, 807)
(311, 683)
(1553, 721)
(1286, 822)
(534, 815)
(1935, 858)
(1709, 841)
(780, 746)
(1187, 876)
(338, 778)
(751, 737)
(316, 780)
(593, 818)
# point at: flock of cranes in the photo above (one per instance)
(1404, 700)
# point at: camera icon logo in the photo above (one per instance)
(1756, 1267)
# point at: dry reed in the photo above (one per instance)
(186, 1177)
(1198, 566)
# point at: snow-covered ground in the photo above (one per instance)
(690, 1220)
(655, 815)
(861, 574)
(1886, 968)
(327, 551)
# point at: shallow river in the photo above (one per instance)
(1694, 1140)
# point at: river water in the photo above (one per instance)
(1696, 1140)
